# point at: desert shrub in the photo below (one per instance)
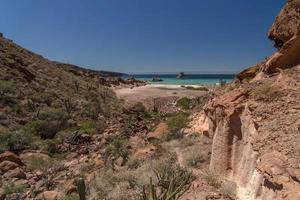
(200, 102)
(85, 168)
(119, 192)
(92, 109)
(228, 188)
(70, 197)
(13, 188)
(51, 146)
(17, 109)
(89, 127)
(175, 123)
(48, 129)
(184, 103)
(114, 185)
(69, 105)
(45, 98)
(5, 87)
(266, 93)
(32, 126)
(211, 178)
(193, 159)
(8, 61)
(14, 141)
(190, 140)
(133, 162)
(141, 110)
(117, 148)
(38, 162)
(172, 182)
(92, 127)
(53, 114)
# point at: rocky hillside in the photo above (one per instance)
(255, 122)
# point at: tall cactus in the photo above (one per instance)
(81, 188)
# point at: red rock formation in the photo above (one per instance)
(255, 126)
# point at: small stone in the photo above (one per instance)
(119, 162)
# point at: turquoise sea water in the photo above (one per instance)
(189, 79)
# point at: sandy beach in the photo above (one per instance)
(149, 92)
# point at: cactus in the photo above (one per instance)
(172, 187)
(76, 85)
(81, 188)
(68, 105)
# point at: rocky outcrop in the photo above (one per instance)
(285, 32)
(286, 25)
(255, 125)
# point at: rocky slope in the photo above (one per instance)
(255, 122)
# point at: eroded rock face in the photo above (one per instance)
(286, 25)
(255, 129)
(285, 32)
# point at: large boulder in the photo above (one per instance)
(287, 24)
(6, 166)
(9, 156)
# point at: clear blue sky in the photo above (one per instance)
(144, 35)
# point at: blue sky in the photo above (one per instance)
(144, 35)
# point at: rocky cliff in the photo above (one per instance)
(255, 122)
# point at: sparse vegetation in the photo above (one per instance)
(38, 162)
(184, 103)
(173, 182)
(176, 122)
(14, 141)
(266, 93)
(193, 158)
(228, 188)
(133, 162)
(211, 178)
(70, 197)
(53, 114)
(117, 148)
(89, 127)
(13, 188)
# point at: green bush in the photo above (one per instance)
(266, 93)
(14, 141)
(184, 103)
(38, 162)
(13, 188)
(88, 127)
(117, 147)
(45, 98)
(32, 126)
(172, 182)
(5, 87)
(211, 178)
(51, 146)
(53, 114)
(70, 197)
(193, 159)
(175, 123)
(133, 162)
